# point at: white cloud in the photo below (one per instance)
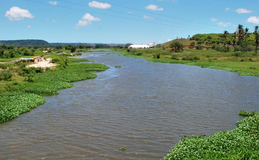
(214, 19)
(147, 17)
(242, 10)
(17, 14)
(235, 25)
(253, 19)
(53, 2)
(86, 19)
(82, 23)
(224, 24)
(154, 7)
(29, 26)
(227, 9)
(89, 17)
(100, 5)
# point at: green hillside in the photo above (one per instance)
(210, 39)
(29, 42)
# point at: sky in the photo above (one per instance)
(122, 21)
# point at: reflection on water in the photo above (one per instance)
(146, 107)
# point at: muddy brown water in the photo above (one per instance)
(146, 107)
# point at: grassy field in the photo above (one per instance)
(24, 90)
(243, 63)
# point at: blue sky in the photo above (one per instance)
(122, 21)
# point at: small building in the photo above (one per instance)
(143, 46)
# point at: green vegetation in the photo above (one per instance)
(123, 148)
(235, 52)
(246, 113)
(21, 88)
(15, 103)
(117, 66)
(240, 143)
(31, 42)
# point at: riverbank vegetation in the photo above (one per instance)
(236, 52)
(240, 143)
(22, 88)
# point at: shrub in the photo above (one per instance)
(6, 75)
(176, 46)
(156, 55)
(199, 47)
(174, 57)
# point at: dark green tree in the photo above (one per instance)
(256, 39)
(225, 39)
(176, 46)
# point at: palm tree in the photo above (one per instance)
(256, 39)
(225, 36)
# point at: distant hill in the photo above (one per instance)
(29, 42)
(185, 42)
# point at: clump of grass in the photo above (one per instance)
(117, 66)
(240, 143)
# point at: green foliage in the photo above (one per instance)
(192, 44)
(174, 57)
(176, 46)
(246, 113)
(6, 75)
(198, 47)
(123, 148)
(240, 143)
(15, 103)
(117, 66)
(156, 55)
(71, 48)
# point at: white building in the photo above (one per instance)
(138, 46)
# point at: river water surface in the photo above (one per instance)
(146, 107)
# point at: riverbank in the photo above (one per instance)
(244, 64)
(21, 93)
(240, 143)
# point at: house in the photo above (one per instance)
(143, 46)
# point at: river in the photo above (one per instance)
(146, 107)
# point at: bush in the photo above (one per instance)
(156, 55)
(174, 57)
(6, 75)
(28, 71)
(198, 47)
(176, 46)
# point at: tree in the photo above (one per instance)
(225, 37)
(242, 35)
(176, 46)
(81, 46)
(256, 39)
(127, 45)
(192, 44)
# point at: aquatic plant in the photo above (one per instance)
(246, 113)
(123, 148)
(117, 66)
(240, 143)
(15, 103)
